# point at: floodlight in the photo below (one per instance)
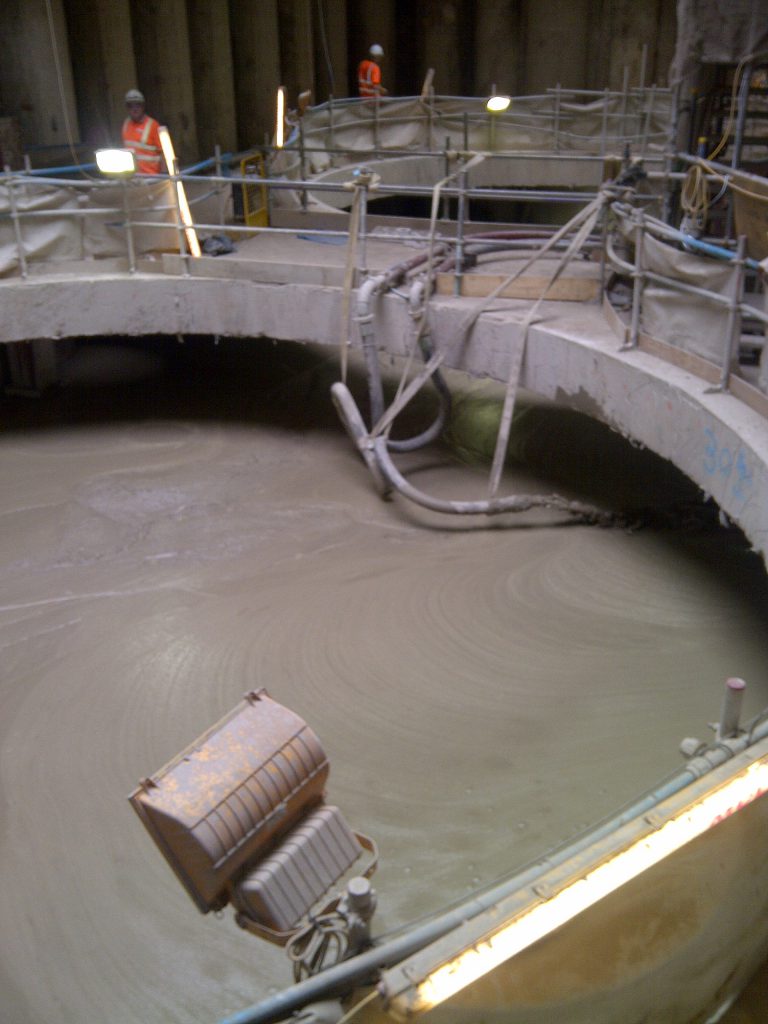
(497, 104)
(117, 163)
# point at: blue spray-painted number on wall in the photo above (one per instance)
(728, 463)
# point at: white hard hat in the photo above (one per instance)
(134, 96)
(376, 51)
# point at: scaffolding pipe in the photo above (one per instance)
(21, 252)
(733, 328)
(638, 280)
(460, 215)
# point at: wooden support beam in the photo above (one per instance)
(566, 289)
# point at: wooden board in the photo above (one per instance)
(566, 289)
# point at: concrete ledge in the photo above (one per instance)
(572, 356)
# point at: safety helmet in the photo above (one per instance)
(376, 51)
(134, 96)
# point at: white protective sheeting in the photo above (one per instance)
(47, 234)
(62, 223)
(691, 322)
(694, 323)
(554, 123)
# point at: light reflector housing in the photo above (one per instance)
(117, 163)
(498, 104)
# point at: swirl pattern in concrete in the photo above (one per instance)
(171, 542)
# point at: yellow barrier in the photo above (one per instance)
(255, 210)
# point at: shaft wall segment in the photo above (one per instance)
(572, 356)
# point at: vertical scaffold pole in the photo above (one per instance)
(220, 189)
(446, 173)
(647, 120)
(302, 164)
(460, 214)
(331, 127)
(738, 139)
(363, 226)
(643, 64)
(604, 127)
(733, 328)
(638, 275)
(624, 96)
(129, 230)
(20, 250)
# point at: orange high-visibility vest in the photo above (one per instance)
(143, 139)
(369, 78)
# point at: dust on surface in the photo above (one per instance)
(178, 537)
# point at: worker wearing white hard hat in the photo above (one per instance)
(369, 73)
(141, 134)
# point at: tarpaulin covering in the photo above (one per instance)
(750, 209)
(688, 321)
(52, 224)
(555, 122)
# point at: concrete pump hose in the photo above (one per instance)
(493, 506)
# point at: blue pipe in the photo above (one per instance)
(225, 158)
(713, 250)
(55, 172)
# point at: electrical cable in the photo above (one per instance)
(359, 1006)
(734, 93)
(320, 944)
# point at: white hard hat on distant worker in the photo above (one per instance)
(134, 96)
(376, 51)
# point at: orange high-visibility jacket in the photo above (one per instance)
(368, 78)
(143, 138)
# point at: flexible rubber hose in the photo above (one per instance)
(438, 425)
(391, 278)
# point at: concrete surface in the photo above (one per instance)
(288, 287)
(182, 527)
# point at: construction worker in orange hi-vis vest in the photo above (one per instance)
(141, 134)
(369, 73)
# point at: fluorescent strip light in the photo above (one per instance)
(280, 118)
(118, 162)
(619, 869)
(184, 211)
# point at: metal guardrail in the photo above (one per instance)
(551, 116)
(640, 274)
(458, 188)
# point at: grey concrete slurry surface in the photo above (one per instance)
(482, 693)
